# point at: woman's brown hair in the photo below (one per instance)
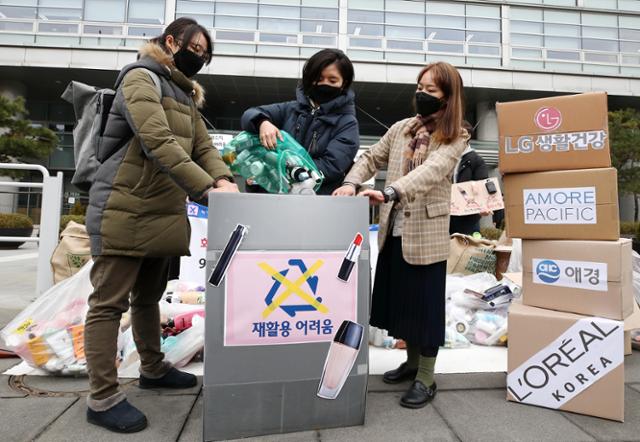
(448, 79)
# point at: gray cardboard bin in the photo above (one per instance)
(270, 389)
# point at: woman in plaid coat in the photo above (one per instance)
(420, 154)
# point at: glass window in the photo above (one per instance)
(15, 26)
(562, 43)
(442, 47)
(404, 32)
(484, 50)
(562, 30)
(627, 46)
(19, 2)
(204, 20)
(58, 27)
(366, 16)
(483, 37)
(147, 11)
(324, 27)
(59, 3)
(104, 10)
(365, 55)
(561, 17)
(319, 13)
(629, 5)
(235, 8)
(526, 14)
(143, 32)
(406, 45)
(483, 11)
(560, 2)
(279, 38)
(230, 35)
(588, 31)
(627, 59)
(287, 51)
(483, 24)
(404, 57)
(600, 20)
(226, 22)
(13, 12)
(404, 6)
(365, 42)
(600, 4)
(445, 21)
(602, 58)
(445, 8)
(395, 18)
(321, 41)
(558, 55)
(194, 7)
(102, 30)
(445, 34)
(629, 22)
(526, 53)
(278, 25)
(376, 5)
(323, 3)
(526, 26)
(600, 45)
(526, 40)
(278, 2)
(365, 29)
(278, 11)
(59, 14)
(629, 34)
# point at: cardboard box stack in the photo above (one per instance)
(566, 339)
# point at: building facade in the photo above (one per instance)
(505, 50)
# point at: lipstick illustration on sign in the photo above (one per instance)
(350, 258)
(227, 255)
(340, 359)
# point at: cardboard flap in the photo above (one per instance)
(593, 114)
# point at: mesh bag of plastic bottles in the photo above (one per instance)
(286, 169)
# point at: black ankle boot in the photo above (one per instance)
(418, 395)
(121, 418)
(174, 378)
(400, 374)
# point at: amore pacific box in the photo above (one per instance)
(568, 204)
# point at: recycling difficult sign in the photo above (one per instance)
(286, 298)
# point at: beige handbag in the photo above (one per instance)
(72, 252)
(469, 255)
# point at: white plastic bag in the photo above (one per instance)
(49, 333)
(636, 274)
(515, 260)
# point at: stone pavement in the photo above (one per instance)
(467, 408)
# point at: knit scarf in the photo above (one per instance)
(420, 129)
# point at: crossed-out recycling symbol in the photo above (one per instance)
(273, 300)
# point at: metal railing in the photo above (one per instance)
(47, 238)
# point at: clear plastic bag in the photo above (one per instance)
(477, 320)
(49, 333)
(635, 257)
(286, 169)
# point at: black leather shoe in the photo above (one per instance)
(174, 378)
(121, 418)
(400, 374)
(418, 395)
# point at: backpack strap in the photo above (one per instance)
(156, 80)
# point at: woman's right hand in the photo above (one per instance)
(346, 190)
(269, 134)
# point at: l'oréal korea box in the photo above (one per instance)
(566, 361)
(569, 204)
(585, 277)
(558, 133)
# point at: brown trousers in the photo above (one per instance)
(113, 279)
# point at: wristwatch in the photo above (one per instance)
(389, 194)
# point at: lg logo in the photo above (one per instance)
(548, 118)
(548, 271)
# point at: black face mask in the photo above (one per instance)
(323, 93)
(189, 63)
(427, 104)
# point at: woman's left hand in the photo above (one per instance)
(375, 196)
(225, 186)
